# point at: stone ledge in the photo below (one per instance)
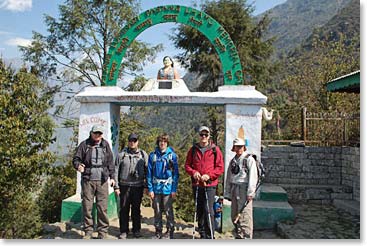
(351, 206)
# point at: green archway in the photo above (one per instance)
(210, 28)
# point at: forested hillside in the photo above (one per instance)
(345, 23)
(295, 20)
(331, 51)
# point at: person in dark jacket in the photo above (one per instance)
(131, 166)
(204, 163)
(94, 160)
(162, 180)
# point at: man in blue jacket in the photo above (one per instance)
(162, 180)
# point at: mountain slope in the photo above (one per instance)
(295, 20)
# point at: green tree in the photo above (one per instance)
(254, 52)
(200, 56)
(60, 183)
(27, 131)
(305, 84)
(77, 43)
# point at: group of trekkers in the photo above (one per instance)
(134, 172)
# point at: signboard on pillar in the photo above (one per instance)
(249, 118)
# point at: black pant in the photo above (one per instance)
(202, 210)
(130, 197)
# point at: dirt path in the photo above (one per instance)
(69, 230)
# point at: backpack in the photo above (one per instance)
(260, 169)
(170, 162)
(141, 170)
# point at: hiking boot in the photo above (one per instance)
(168, 234)
(123, 235)
(88, 235)
(202, 236)
(102, 236)
(137, 234)
(157, 235)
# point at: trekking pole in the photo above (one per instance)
(196, 204)
(209, 217)
(239, 213)
(244, 206)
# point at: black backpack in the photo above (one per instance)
(170, 162)
(260, 169)
(214, 149)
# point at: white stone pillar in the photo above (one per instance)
(105, 114)
(249, 117)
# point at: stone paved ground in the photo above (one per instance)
(311, 222)
(320, 222)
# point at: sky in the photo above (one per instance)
(18, 18)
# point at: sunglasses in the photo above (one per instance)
(133, 140)
(204, 135)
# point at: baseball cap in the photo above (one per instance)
(238, 142)
(97, 128)
(204, 128)
(132, 136)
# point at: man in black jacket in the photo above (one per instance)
(131, 165)
(94, 160)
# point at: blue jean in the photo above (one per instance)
(163, 203)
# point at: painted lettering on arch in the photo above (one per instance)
(209, 27)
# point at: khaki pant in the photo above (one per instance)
(244, 226)
(91, 189)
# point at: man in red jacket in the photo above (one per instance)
(204, 163)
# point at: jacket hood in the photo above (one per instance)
(169, 150)
(210, 146)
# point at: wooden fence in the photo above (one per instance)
(331, 129)
(326, 129)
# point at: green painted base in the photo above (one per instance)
(273, 193)
(271, 207)
(267, 214)
(227, 224)
(71, 208)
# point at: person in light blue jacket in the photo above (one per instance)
(162, 180)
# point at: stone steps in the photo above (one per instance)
(351, 206)
(269, 192)
(268, 213)
(270, 206)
